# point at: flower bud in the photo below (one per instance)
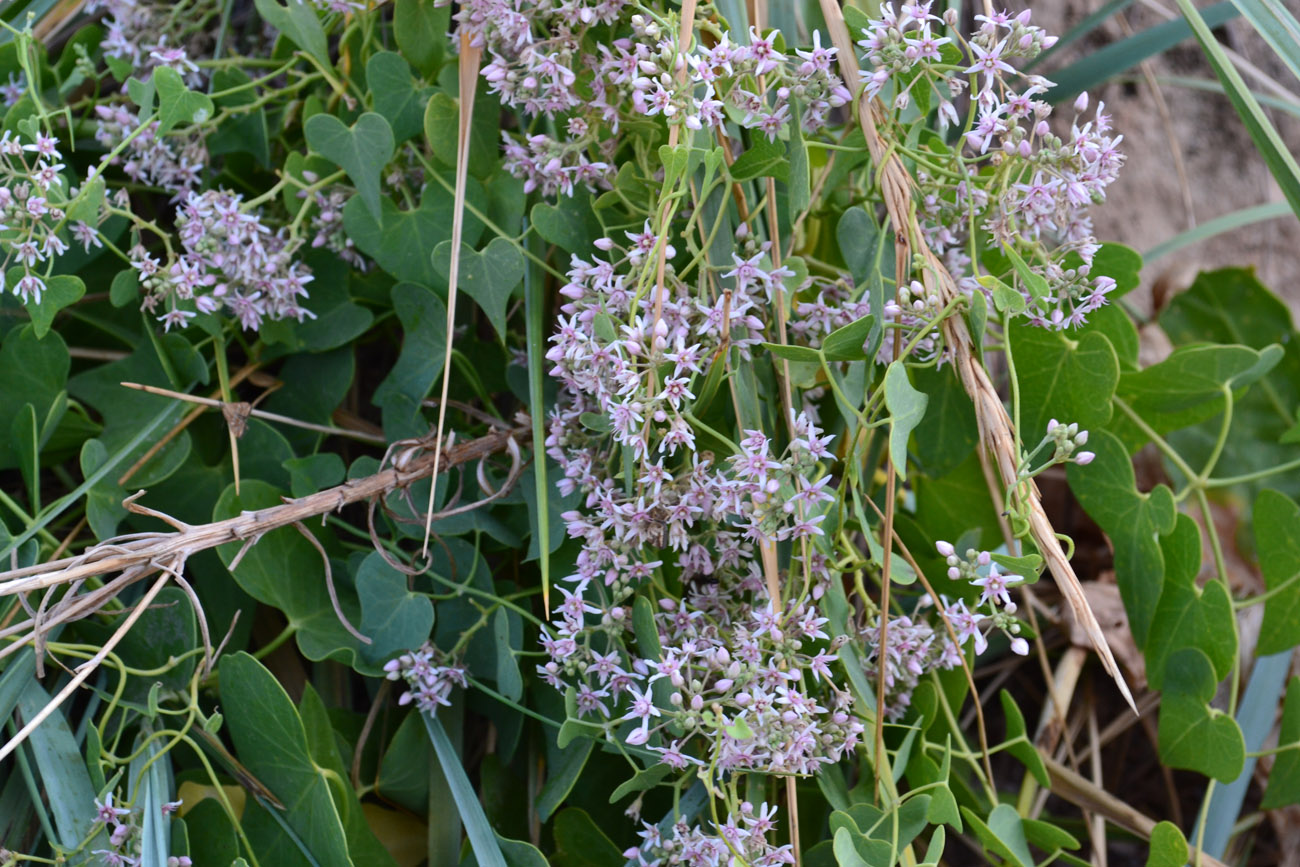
(1081, 102)
(1084, 458)
(1020, 647)
(944, 548)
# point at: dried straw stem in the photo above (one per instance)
(148, 549)
(995, 428)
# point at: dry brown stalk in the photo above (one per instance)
(147, 549)
(995, 428)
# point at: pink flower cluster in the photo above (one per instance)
(33, 197)
(745, 836)
(230, 260)
(1044, 182)
(429, 681)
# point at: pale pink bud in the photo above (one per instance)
(1084, 458)
(1081, 102)
(945, 548)
(1019, 646)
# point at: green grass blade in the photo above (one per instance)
(482, 839)
(1080, 30)
(1119, 57)
(1267, 141)
(1212, 85)
(1217, 226)
(57, 508)
(535, 313)
(1278, 27)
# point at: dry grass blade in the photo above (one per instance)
(85, 669)
(896, 187)
(470, 58)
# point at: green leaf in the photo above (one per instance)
(419, 366)
(1003, 834)
(562, 776)
(489, 277)
(846, 854)
(442, 128)
(1268, 143)
(35, 372)
(951, 433)
(641, 780)
(763, 159)
(857, 234)
(579, 842)
(674, 159)
(314, 473)
(482, 838)
(362, 150)
(800, 191)
(849, 342)
(1284, 779)
(141, 93)
(246, 131)
(420, 28)
(299, 24)
(803, 354)
(61, 290)
(392, 617)
(271, 742)
(1192, 735)
(509, 681)
(177, 104)
(125, 288)
(1005, 299)
(401, 241)
(1121, 263)
(1277, 538)
(388, 77)
(1033, 282)
(1189, 616)
(304, 600)
(1107, 490)
(906, 409)
(1018, 743)
(1187, 387)
(1168, 846)
(570, 224)
(1062, 378)
(323, 744)
(1232, 306)
(165, 631)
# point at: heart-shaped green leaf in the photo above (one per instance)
(402, 241)
(392, 617)
(570, 223)
(420, 28)
(1168, 846)
(488, 277)
(424, 327)
(857, 234)
(362, 150)
(1188, 616)
(1107, 490)
(1062, 378)
(1192, 735)
(393, 90)
(906, 409)
(763, 159)
(61, 291)
(299, 24)
(1277, 536)
(271, 742)
(442, 125)
(177, 104)
(1284, 779)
